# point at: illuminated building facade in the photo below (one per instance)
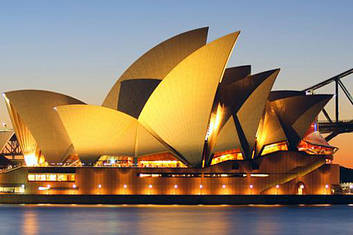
(177, 121)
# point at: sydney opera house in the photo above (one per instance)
(177, 121)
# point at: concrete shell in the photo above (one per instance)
(246, 100)
(134, 94)
(179, 109)
(96, 130)
(26, 140)
(234, 74)
(296, 113)
(103, 131)
(281, 94)
(230, 76)
(251, 111)
(235, 94)
(159, 61)
(288, 116)
(270, 130)
(37, 125)
(227, 138)
(302, 124)
(146, 144)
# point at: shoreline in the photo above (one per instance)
(176, 199)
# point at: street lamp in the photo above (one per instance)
(149, 188)
(277, 187)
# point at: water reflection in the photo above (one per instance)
(76, 219)
(30, 224)
(182, 220)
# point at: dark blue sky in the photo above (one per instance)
(81, 47)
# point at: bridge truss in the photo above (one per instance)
(334, 127)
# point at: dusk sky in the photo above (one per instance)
(80, 48)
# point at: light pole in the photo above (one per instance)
(277, 187)
(99, 188)
(326, 188)
(74, 188)
(125, 187)
(149, 189)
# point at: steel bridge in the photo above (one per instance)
(12, 148)
(334, 127)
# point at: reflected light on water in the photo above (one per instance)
(30, 223)
(174, 219)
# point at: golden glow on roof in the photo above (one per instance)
(186, 112)
(233, 154)
(178, 110)
(36, 110)
(227, 137)
(25, 139)
(215, 121)
(252, 110)
(159, 61)
(146, 144)
(297, 113)
(270, 130)
(271, 148)
(98, 131)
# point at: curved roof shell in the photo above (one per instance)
(134, 94)
(26, 140)
(98, 131)
(227, 138)
(293, 113)
(159, 61)
(230, 76)
(246, 99)
(270, 130)
(178, 110)
(104, 131)
(296, 114)
(251, 111)
(281, 94)
(33, 116)
(147, 144)
(234, 74)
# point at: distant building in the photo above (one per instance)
(177, 121)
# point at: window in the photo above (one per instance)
(53, 177)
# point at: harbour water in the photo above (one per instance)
(105, 219)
